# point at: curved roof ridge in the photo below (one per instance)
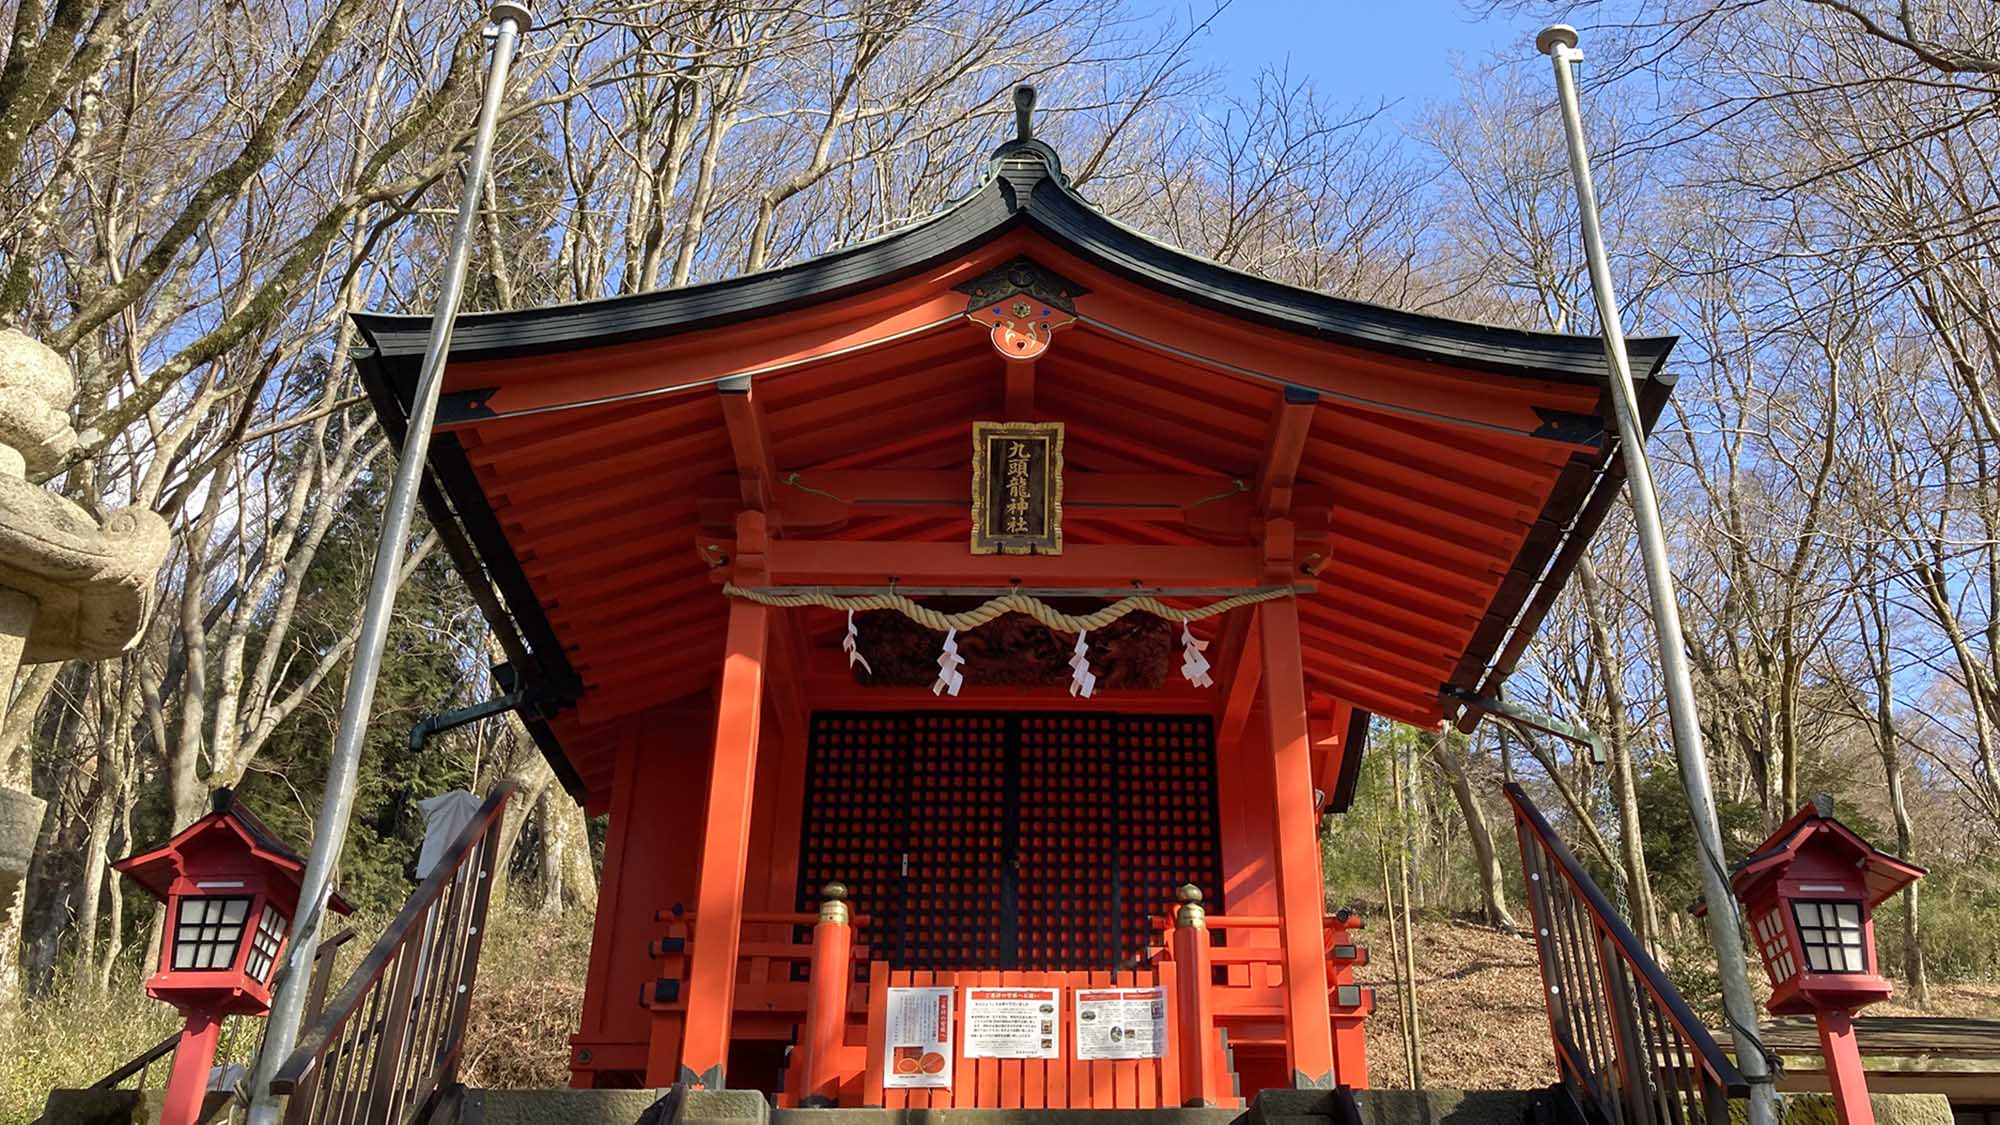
(1024, 184)
(391, 323)
(1066, 216)
(1252, 277)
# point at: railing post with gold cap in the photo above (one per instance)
(826, 999)
(1351, 1002)
(1196, 1018)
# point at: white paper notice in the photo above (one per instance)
(918, 1050)
(1121, 1023)
(1012, 1023)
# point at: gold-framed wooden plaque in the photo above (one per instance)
(1017, 487)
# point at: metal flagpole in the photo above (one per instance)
(508, 20)
(1559, 43)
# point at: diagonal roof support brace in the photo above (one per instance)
(1533, 720)
(1240, 656)
(1278, 473)
(424, 729)
(750, 441)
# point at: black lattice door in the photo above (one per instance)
(952, 911)
(1003, 840)
(1167, 827)
(1068, 841)
(857, 799)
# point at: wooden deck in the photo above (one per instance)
(1956, 1057)
(1937, 1038)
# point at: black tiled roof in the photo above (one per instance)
(1026, 189)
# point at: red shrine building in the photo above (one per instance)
(1014, 571)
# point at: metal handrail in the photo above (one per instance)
(1624, 1036)
(139, 1062)
(391, 1040)
(136, 1065)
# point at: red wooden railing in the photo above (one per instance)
(1627, 1045)
(1244, 976)
(1208, 985)
(1066, 1082)
(833, 1009)
(390, 1042)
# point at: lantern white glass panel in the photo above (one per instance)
(1776, 948)
(1830, 931)
(208, 931)
(264, 944)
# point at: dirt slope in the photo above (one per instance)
(1480, 1010)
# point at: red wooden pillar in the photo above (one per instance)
(1844, 1075)
(826, 999)
(1193, 984)
(1301, 898)
(725, 847)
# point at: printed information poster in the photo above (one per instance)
(1121, 1023)
(918, 1050)
(1011, 1023)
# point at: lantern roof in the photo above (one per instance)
(1455, 471)
(1814, 827)
(156, 868)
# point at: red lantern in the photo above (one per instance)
(1809, 894)
(231, 890)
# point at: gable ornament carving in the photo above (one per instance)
(1021, 305)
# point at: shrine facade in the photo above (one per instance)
(929, 615)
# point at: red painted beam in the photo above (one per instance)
(1328, 611)
(560, 487)
(822, 499)
(587, 436)
(1399, 473)
(1388, 706)
(606, 528)
(1330, 720)
(1018, 378)
(836, 561)
(878, 319)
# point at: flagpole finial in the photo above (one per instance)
(1556, 35)
(510, 10)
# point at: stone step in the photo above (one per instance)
(730, 1107)
(1271, 1107)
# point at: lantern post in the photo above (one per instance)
(1810, 893)
(230, 891)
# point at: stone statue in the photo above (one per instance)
(70, 587)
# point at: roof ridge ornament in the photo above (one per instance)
(1021, 304)
(1025, 160)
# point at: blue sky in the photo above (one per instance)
(1401, 51)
